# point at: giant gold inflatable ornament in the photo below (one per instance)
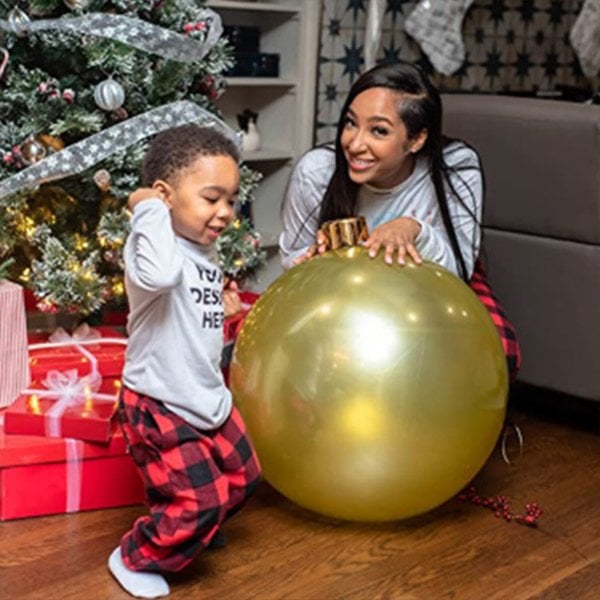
(371, 392)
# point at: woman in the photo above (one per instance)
(420, 192)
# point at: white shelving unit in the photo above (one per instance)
(285, 104)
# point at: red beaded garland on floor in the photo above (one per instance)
(500, 506)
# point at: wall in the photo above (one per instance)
(510, 45)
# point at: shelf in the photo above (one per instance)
(265, 154)
(284, 104)
(252, 6)
(259, 82)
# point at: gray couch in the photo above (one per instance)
(541, 160)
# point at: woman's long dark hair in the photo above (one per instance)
(420, 108)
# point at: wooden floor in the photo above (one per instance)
(276, 550)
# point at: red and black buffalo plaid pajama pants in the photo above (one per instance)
(512, 350)
(194, 481)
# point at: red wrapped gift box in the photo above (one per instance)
(44, 476)
(88, 419)
(110, 356)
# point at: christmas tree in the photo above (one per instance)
(84, 84)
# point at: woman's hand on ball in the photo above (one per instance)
(398, 236)
(319, 247)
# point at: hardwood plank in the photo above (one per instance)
(278, 550)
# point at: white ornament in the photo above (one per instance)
(18, 21)
(109, 94)
(436, 25)
(77, 4)
(102, 180)
(249, 132)
(585, 37)
(251, 138)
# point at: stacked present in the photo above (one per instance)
(44, 475)
(60, 447)
(14, 370)
(75, 381)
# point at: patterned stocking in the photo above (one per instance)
(436, 25)
(585, 37)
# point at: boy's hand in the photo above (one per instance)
(232, 303)
(142, 194)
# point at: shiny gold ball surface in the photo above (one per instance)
(371, 392)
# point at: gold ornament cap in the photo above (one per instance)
(341, 233)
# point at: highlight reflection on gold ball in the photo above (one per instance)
(371, 392)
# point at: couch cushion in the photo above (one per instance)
(549, 289)
(541, 160)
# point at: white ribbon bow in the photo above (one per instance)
(83, 333)
(70, 391)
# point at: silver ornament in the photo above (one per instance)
(32, 151)
(109, 94)
(102, 180)
(77, 4)
(18, 21)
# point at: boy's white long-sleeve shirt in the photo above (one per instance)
(175, 322)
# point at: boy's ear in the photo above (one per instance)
(165, 191)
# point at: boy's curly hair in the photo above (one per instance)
(177, 148)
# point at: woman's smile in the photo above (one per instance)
(360, 164)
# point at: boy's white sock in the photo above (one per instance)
(138, 583)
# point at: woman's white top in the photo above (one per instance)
(414, 197)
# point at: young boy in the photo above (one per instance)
(183, 432)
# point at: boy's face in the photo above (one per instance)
(202, 198)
